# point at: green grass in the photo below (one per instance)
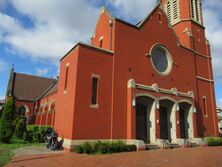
(6, 150)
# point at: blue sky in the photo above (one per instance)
(34, 34)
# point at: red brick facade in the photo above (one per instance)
(120, 58)
(120, 53)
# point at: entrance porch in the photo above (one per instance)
(154, 118)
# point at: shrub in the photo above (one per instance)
(104, 147)
(6, 131)
(20, 128)
(35, 133)
(78, 149)
(87, 148)
(214, 141)
(6, 121)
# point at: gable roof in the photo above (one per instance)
(140, 23)
(53, 89)
(29, 87)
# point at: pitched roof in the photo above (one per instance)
(29, 87)
(53, 89)
(2, 101)
(50, 90)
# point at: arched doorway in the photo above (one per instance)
(145, 119)
(185, 120)
(167, 119)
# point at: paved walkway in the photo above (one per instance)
(33, 150)
(180, 157)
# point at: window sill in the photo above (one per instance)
(94, 106)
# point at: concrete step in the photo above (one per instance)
(168, 145)
(152, 147)
(191, 144)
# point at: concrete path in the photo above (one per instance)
(32, 150)
(180, 157)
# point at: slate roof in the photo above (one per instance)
(29, 87)
(52, 89)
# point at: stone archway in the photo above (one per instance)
(145, 118)
(167, 119)
(185, 120)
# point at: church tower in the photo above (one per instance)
(185, 17)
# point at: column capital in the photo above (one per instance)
(131, 83)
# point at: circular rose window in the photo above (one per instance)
(161, 60)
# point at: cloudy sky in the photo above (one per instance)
(34, 34)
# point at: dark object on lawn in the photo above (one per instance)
(51, 137)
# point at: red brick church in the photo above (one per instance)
(139, 83)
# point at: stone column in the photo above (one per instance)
(178, 124)
(157, 120)
(173, 122)
(193, 124)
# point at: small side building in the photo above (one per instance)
(29, 91)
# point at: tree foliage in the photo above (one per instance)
(20, 128)
(6, 121)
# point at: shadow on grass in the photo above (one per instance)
(6, 150)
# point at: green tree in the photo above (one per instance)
(6, 121)
(20, 128)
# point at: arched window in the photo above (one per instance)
(52, 106)
(21, 111)
(46, 108)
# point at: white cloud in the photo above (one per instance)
(57, 26)
(3, 66)
(42, 71)
(213, 22)
(131, 9)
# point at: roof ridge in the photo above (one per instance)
(36, 76)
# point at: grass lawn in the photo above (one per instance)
(6, 150)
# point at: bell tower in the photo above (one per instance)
(185, 17)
